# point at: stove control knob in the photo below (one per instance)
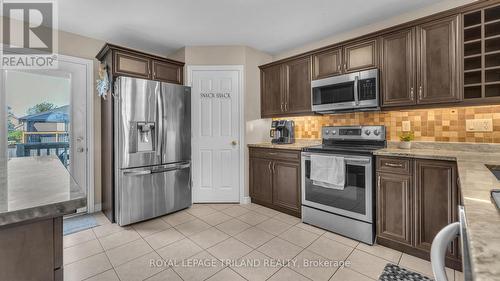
(368, 132)
(376, 132)
(334, 132)
(327, 132)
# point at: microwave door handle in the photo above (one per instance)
(356, 97)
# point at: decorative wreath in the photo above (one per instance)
(103, 81)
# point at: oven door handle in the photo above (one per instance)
(361, 161)
(307, 156)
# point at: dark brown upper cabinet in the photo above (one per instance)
(271, 101)
(397, 68)
(327, 63)
(361, 55)
(130, 64)
(421, 65)
(349, 58)
(438, 75)
(286, 88)
(481, 55)
(167, 72)
(297, 92)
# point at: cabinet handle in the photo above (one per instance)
(273, 167)
(345, 66)
(281, 107)
(378, 181)
(420, 92)
(286, 106)
(339, 67)
(393, 165)
(412, 94)
(270, 168)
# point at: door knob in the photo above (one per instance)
(80, 149)
(234, 142)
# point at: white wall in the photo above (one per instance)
(256, 129)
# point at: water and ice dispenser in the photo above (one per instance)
(142, 137)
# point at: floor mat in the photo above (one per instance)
(393, 272)
(78, 223)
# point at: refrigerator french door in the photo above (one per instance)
(152, 149)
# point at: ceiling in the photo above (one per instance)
(273, 26)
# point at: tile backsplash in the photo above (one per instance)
(438, 124)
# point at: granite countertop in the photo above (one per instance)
(297, 145)
(476, 181)
(37, 187)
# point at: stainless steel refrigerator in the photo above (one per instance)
(152, 149)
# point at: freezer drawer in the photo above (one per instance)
(150, 192)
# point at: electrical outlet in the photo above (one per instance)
(406, 126)
(479, 125)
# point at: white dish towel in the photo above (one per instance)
(328, 171)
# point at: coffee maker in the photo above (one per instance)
(282, 132)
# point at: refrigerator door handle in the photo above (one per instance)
(137, 173)
(179, 166)
(159, 120)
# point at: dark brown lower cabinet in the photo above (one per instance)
(414, 204)
(275, 179)
(286, 183)
(261, 180)
(32, 250)
(394, 207)
(436, 201)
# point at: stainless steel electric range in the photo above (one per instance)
(349, 211)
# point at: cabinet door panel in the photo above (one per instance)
(261, 183)
(167, 72)
(298, 86)
(286, 185)
(271, 102)
(436, 200)
(398, 68)
(438, 59)
(129, 64)
(328, 63)
(359, 56)
(394, 207)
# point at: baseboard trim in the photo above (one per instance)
(97, 207)
(245, 200)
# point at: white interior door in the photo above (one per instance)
(215, 98)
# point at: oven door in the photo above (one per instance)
(354, 201)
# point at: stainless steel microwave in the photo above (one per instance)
(357, 91)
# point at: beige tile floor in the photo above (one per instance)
(218, 233)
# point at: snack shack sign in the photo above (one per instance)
(216, 95)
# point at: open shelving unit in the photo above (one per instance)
(481, 39)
